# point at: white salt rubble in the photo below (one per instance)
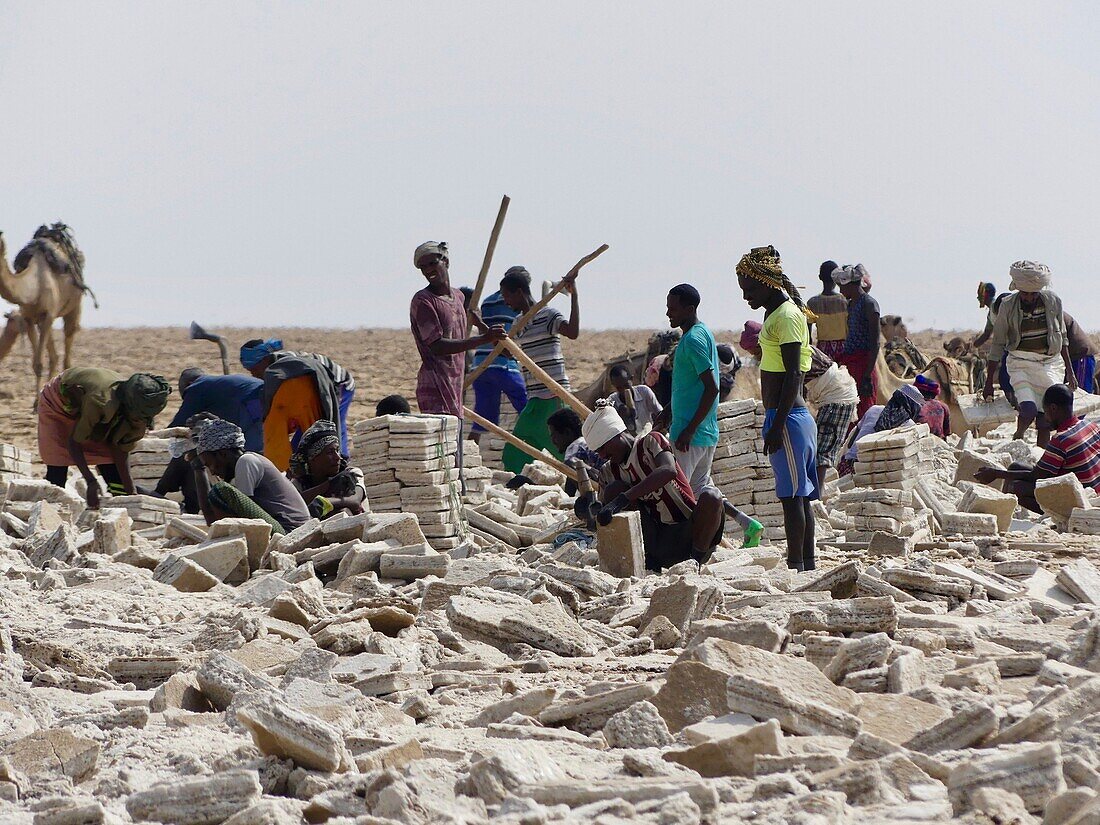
(941, 665)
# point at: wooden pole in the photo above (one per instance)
(520, 444)
(540, 374)
(487, 261)
(523, 320)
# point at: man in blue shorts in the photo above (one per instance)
(790, 434)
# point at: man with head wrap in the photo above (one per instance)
(1030, 330)
(323, 476)
(250, 487)
(790, 434)
(502, 376)
(861, 346)
(641, 473)
(933, 412)
(438, 318)
(831, 309)
(89, 415)
(294, 405)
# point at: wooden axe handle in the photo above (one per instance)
(523, 320)
(520, 444)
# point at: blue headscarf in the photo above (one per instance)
(251, 356)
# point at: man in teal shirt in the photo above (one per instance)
(694, 428)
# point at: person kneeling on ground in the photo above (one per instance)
(251, 486)
(1074, 447)
(642, 473)
(322, 475)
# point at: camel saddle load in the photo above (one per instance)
(56, 244)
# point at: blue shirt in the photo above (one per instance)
(695, 354)
(495, 311)
(236, 398)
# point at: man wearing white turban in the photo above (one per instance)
(1030, 327)
(641, 473)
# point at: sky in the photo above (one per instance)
(276, 163)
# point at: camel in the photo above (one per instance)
(47, 284)
(15, 327)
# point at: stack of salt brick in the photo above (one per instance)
(421, 452)
(492, 446)
(887, 510)
(476, 475)
(14, 463)
(370, 452)
(148, 460)
(893, 458)
(741, 470)
(146, 512)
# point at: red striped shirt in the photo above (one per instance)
(1076, 450)
(670, 504)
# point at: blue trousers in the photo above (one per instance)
(487, 390)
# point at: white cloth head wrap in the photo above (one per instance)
(430, 248)
(849, 274)
(1029, 276)
(602, 425)
(913, 393)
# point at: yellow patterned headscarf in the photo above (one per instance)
(763, 264)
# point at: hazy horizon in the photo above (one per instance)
(274, 165)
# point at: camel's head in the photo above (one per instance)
(893, 328)
(957, 347)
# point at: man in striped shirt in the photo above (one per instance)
(541, 340)
(642, 473)
(1074, 447)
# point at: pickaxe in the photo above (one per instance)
(200, 334)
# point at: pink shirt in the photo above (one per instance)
(439, 383)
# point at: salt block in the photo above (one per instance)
(112, 532)
(1080, 579)
(733, 755)
(620, 546)
(183, 574)
(226, 559)
(888, 544)
(969, 524)
(1085, 521)
(981, 499)
(256, 533)
(1059, 496)
(970, 462)
(402, 527)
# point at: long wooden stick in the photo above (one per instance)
(541, 375)
(519, 443)
(487, 261)
(523, 320)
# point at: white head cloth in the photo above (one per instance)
(1029, 276)
(602, 425)
(849, 274)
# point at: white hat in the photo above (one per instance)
(602, 425)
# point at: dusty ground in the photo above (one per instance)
(383, 361)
